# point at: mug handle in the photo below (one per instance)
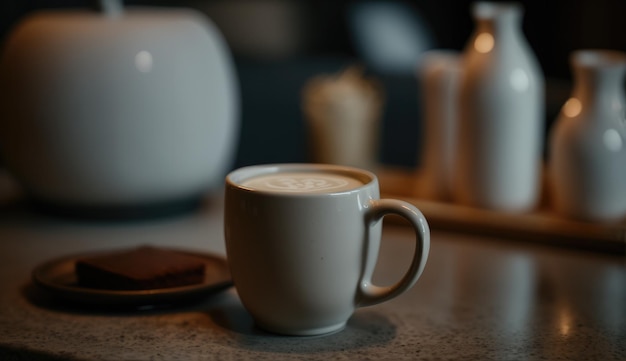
(372, 294)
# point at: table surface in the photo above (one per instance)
(479, 298)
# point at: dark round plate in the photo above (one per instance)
(57, 277)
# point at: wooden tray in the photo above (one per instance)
(542, 225)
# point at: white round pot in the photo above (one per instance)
(119, 108)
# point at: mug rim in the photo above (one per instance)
(237, 176)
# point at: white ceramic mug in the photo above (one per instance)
(302, 241)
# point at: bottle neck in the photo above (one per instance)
(504, 25)
(597, 79)
(498, 19)
(498, 28)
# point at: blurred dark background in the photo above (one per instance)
(279, 44)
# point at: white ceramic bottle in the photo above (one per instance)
(501, 114)
(438, 74)
(587, 150)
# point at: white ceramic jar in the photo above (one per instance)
(343, 115)
(438, 73)
(122, 108)
(587, 144)
(500, 139)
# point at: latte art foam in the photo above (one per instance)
(302, 182)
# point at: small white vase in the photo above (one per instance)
(501, 114)
(587, 150)
(439, 72)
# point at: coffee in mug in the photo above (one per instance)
(303, 182)
(302, 242)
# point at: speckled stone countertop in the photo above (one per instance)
(478, 299)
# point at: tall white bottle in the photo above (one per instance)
(587, 144)
(500, 139)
